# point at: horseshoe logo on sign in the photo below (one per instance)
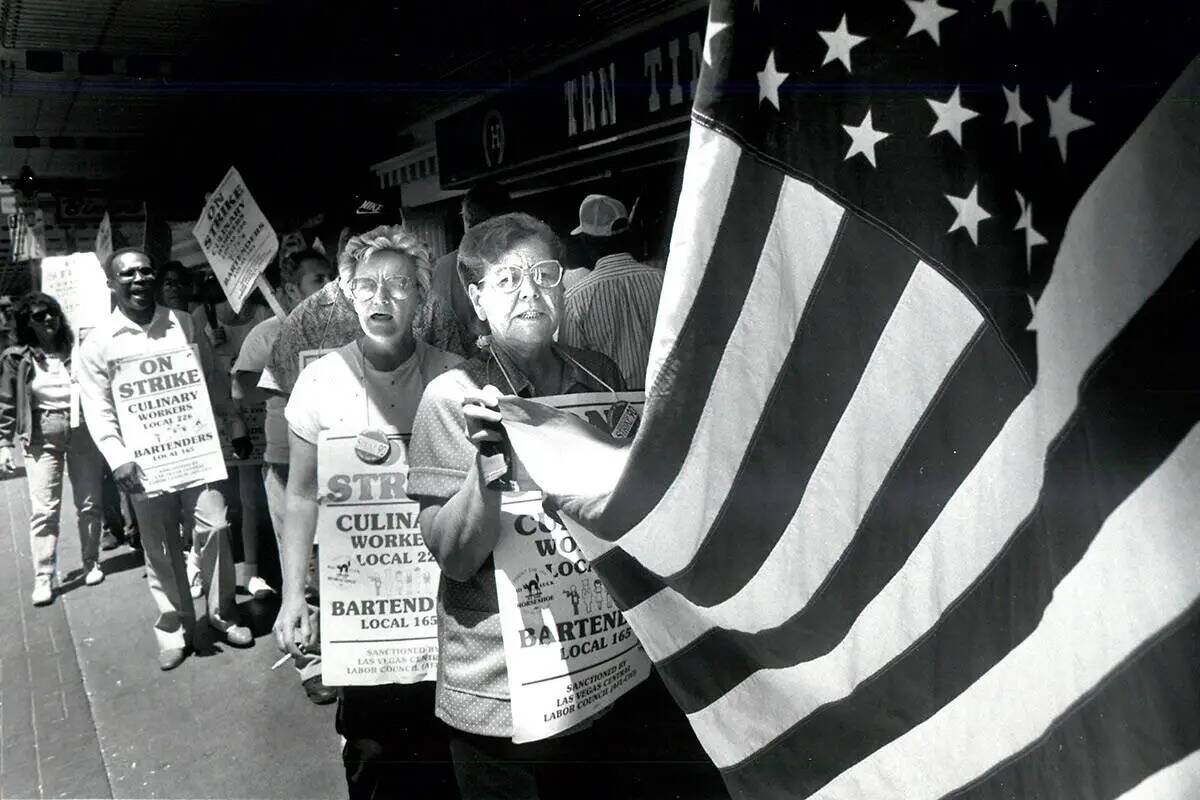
(493, 138)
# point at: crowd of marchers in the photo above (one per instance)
(410, 344)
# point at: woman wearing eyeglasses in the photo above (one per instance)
(35, 406)
(513, 271)
(371, 385)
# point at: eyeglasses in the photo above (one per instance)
(130, 275)
(545, 274)
(397, 287)
(45, 315)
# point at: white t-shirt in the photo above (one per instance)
(253, 357)
(335, 393)
(51, 385)
(256, 347)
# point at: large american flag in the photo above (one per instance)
(914, 511)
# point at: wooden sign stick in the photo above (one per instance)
(268, 293)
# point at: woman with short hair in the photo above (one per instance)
(513, 271)
(373, 384)
(36, 391)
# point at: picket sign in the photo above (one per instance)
(569, 651)
(80, 286)
(166, 419)
(237, 240)
(379, 582)
(104, 239)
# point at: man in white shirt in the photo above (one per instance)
(137, 326)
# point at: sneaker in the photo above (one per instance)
(258, 588)
(94, 576)
(43, 590)
(318, 692)
(109, 541)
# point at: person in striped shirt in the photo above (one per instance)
(612, 310)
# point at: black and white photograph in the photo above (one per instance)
(599, 400)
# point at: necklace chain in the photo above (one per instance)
(564, 354)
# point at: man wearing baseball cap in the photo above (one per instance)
(612, 310)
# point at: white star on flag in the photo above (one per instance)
(970, 213)
(1052, 8)
(712, 30)
(1025, 223)
(1004, 9)
(863, 139)
(1015, 114)
(1064, 121)
(769, 81)
(950, 116)
(839, 44)
(928, 17)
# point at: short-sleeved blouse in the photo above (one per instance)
(472, 687)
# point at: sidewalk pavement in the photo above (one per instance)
(86, 713)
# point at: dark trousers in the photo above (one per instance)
(642, 749)
(492, 768)
(118, 518)
(395, 746)
(650, 744)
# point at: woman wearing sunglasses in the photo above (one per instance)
(370, 386)
(513, 271)
(36, 391)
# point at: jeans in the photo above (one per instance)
(255, 516)
(197, 514)
(275, 478)
(53, 446)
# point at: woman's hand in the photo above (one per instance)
(481, 410)
(293, 633)
(293, 627)
(7, 464)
